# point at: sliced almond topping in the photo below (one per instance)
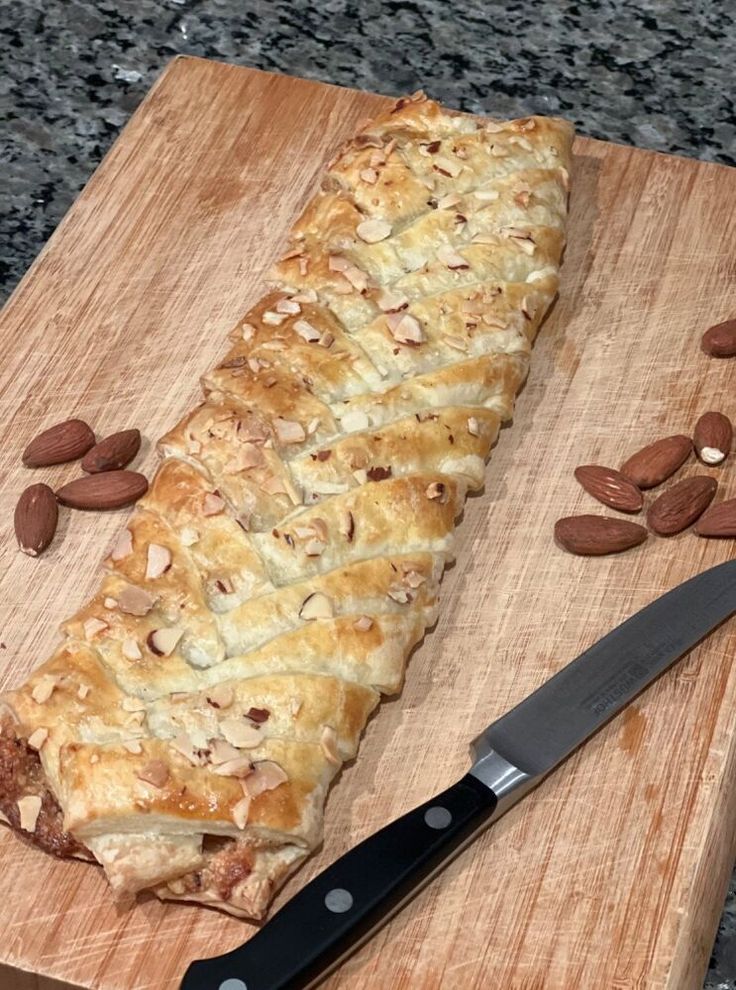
(82, 691)
(92, 627)
(369, 175)
(405, 328)
(305, 330)
(212, 504)
(372, 231)
(154, 772)
(273, 319)
(135, 601)
(110, 603)
(123, 545)
(414, 579)
(222, 752)
(163, 642)
(473, 426)
(220, 696)
(347, 526)
(248, 331)
(447, 166)
(487, 195)
(43, 689)
(241, 810)
(289, 431)
(305, 296)
(437, 491)
(357, 278)
(391, 302)
(313, 426)
(450, 257)
(494, 322)
(327, 339)
(353, 420)
(319, 527)
(314, 548)
(266, 776)
(188, 536)
(133, 746)
(183, 745)
(131, 650)
(316, 606)
(447, 202)
(457, 343)
(239, 767)
(289, 306)
(363, 623)
(131, 704)
(336, 263)
(29, 808)
(399, 594)
(328, 742)
(158, 562)
(241, 733)
(37, 738)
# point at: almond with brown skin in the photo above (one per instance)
(680, 506)
(718, 520)
(653, 464)
(60, 443)
(112, 453)
(610, 487)
(712, 437)
(36, 516)
(109, 490)
(593, 536)
(720, 340)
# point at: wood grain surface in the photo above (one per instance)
(611, 875)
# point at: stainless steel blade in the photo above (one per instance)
(516, 751)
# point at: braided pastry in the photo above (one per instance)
(288, 554)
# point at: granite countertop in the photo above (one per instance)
(651, 73)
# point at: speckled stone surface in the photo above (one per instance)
(655, 73)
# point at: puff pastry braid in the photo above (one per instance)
(287, 557)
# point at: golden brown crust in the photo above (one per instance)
(288, 554)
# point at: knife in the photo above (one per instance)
(339, 910)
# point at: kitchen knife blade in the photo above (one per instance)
(338, 910)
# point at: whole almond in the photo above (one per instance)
(712, 437)
(597, 535)
(108, 490)
(610, 487)
(112, 453)
(653, 464)
(36, 516)
(718, 520)
(60, 443)
(681, 505)
(720, 340)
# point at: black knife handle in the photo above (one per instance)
(340, 908)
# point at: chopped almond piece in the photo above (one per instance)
(450, 257)
(92, 627)
(29, 808)
(82, 691)
(212, 504)
(369, 175)
(188, 536)
(405, 328)
(131, 650)
(354, 420)
(273, 319)
(328, 742)
(289, 431)
(241, 810)
(133, 746)
(220, 696)
(110, 603)
(266, 776)
(289, 306)
(372, 231)
(240, 767)
(38, 737)
(240, 733)
(123, 546)
(437, 491)
(305, 330)
(473, 426)
(158, 561)
(316, 606)
(391, 301)
(363, 623)
(163, 642)
(43, 690)
(135, 601)
(154, 772)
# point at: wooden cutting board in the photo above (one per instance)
(612, 875)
